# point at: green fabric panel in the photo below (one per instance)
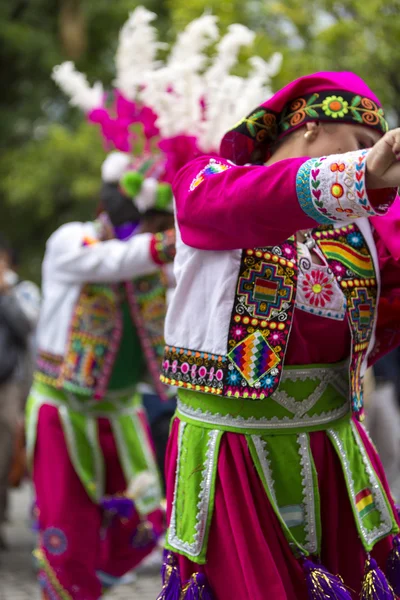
(378, 520)
(129, 364)
(279, 464)
(284, 458)
(137, 456)
(194, 492)
(192, 458)
(81, 451)
(133, 444)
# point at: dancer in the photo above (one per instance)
(87, 432)
(273, 486)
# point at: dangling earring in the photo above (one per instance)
(308, 134)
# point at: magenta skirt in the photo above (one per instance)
(248, 556)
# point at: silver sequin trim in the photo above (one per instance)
(218, 420)
(203, 505)
(262, 452)
(375, 534)
(311, 544)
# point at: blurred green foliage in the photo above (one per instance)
(50, 157)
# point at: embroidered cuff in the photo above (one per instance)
(332, 189)
(162, 247)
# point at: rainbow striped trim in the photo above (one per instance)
(360, 264)
(213, 168)
(365, 502)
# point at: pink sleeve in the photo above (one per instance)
(221, 206)
(388, 324)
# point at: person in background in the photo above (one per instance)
(19, 312)
(88, 442)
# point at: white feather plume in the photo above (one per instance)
(137, 51)
(175, 90)
(75, 85)
(188, 50)
(228, 48)
(115, 166)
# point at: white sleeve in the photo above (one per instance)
(69, 260)
(28, 297)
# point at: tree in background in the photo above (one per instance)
(50, 158)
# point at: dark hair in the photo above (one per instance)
(119, 207)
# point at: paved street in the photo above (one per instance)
(17, 579)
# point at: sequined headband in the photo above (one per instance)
(265, 126)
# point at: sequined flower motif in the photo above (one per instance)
(317, 288)
(276, 337)
(338, 268)
(268, 381)
(55, 541)
(287, 251)
(233, 377)
(355, 239)
(238, 332)
(335, 106)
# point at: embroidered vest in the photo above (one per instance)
(96, 332)
(262, 317)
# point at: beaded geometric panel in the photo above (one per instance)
(253, 357)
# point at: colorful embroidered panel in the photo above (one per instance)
(94, 336)
(318, 292)
(258, 332)
(147, 299)
(162, 247)
(351, 262)
(332, 189)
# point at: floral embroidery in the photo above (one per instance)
(318, 291)
(214, 167)
(317, 288)
(55, 541)
(332, 188)
(269, 382)
(355, 239)
(250, 139)
(335, 106)
(237, 332)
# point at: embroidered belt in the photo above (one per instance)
(308, 398)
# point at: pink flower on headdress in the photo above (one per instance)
(115, 131)
(179, 150)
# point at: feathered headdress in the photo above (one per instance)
(179, 107)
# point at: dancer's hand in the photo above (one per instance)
(383, 162)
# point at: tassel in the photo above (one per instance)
(393, 566)
(323, 585)
(197, 588)
(375, 585)
(118, 506)
(170, 577)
